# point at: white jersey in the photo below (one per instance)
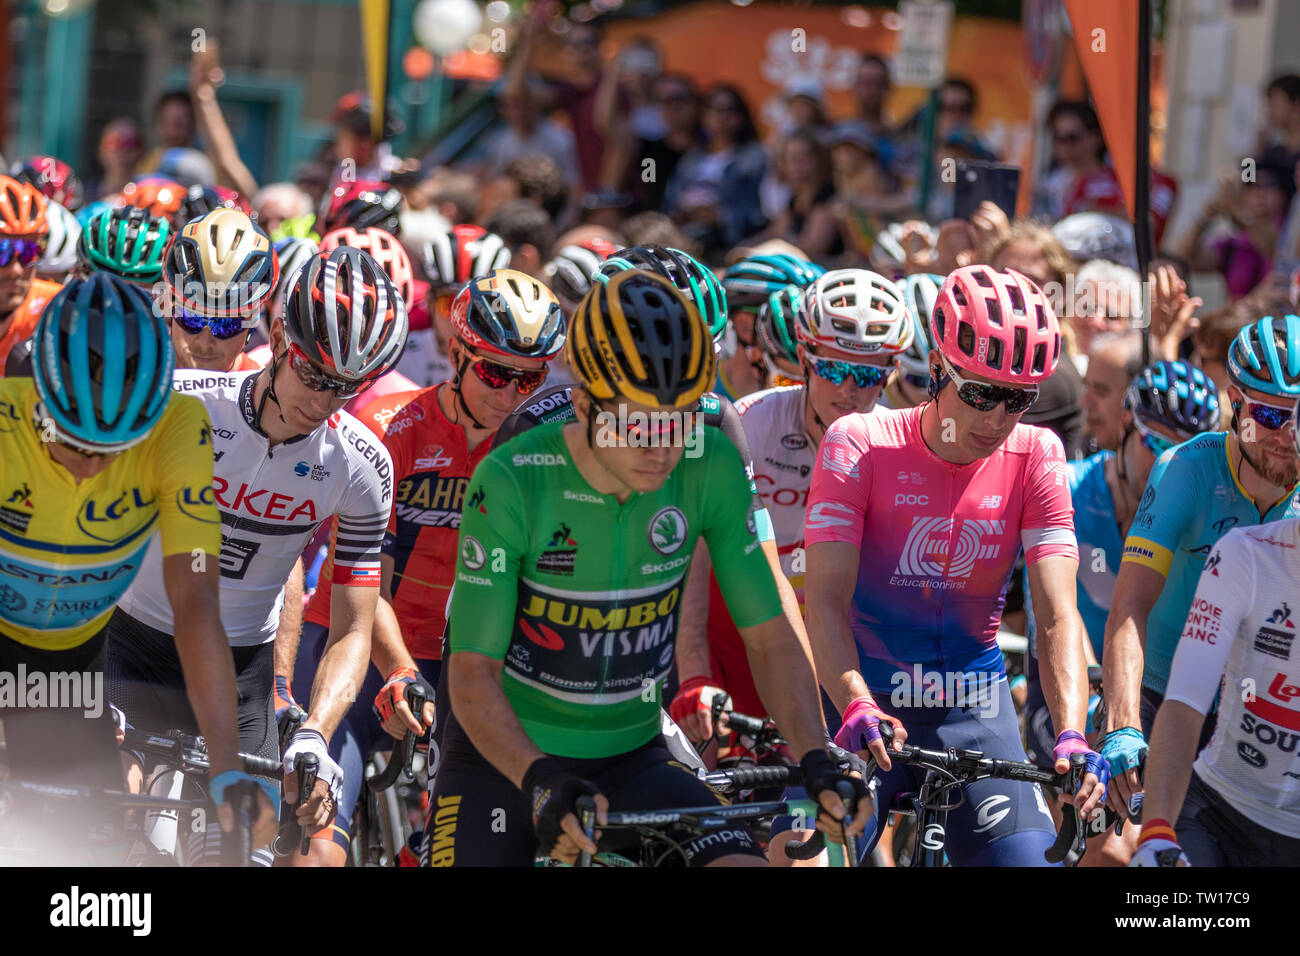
(271, 502)
(422, 361)
(1241, 628)
(784, 456)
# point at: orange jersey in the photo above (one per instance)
(245, 363)
(26, 316)
(431, 469)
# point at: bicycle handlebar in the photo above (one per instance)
(404, 753)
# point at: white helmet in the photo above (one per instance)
(856, 311)
(921, 291)
(1093, 235)
(61, 246)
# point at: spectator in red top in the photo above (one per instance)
(1077, 151)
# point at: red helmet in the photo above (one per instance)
(996, 324)
(54, 178)
(158, 197)
(466, 252)
(383, 248)
(361, 204)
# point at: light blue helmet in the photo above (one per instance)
(102, 363)
(920, 292)
(751, 280)
(1265, 356)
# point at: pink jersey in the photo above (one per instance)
(937, 541)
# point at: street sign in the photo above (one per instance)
(923, 43)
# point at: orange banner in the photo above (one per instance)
(1106, 39)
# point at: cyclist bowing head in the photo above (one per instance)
(557, 521)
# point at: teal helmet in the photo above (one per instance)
(692, 278)
(1265, 356)
(751, 280)
(102, 363)
(775, 326)
(920, 292)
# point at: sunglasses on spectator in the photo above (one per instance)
(318, 381)
(1074, 136)
(983, 396)
(1271, 417)
(223, 328)
(496, 376)
(27, 251)
(1156, 444)
(951, 107)
(864, 376)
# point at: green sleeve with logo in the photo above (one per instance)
(579, 595)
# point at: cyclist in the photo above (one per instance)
(1238, 478)
(24, 233)
(61, 246)
(126, 242)
(748, 283)
(360, 204)
(908, 387)
(54, 178)
(774, 329)
(155, 195)
(450, 260)
(851, 326)
(557, 679)
(88, 484)
(509, 328)
(1237, 803)
(570, 273)
(915, 519)
(287, 458)
(220, 272)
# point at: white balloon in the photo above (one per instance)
(445, 26)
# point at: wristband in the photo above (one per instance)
(1157, 829)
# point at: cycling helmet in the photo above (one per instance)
(920, 292)
(54, 178)
(346, 315)
(996, 324)
(465, 252)
(292, 253)
(22, 209)
(776, 324)
(751, 280)
(127, 242)
(102, 363)
(1265, 356)
(856, 311)
(509, 313)
(221, 264)
(61, 246)
(571, 270)
(1092, 235)
(1176, 395)
(693, 279)
(200, 199)
(158, 197)
(383, 248)
(360, 204)
(636, 337)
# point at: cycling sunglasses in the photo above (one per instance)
(495, 375)
(27, 251)
(1271, 417)
(221, 328)
(642, 436)
(318, 381)
(1156, 444)
(984, 397)
(864, 376)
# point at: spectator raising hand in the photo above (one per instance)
(1173, 312)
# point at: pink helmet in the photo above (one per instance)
(996, 324)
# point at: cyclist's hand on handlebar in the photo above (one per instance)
(1158, 846)
(860, 731)
(268, 801)
(390, 707)
(692, 707)
(819, 780)
(1125, 750)
(317, 808)
(1092, 789)
(552, 792)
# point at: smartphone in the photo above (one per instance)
(979, 181)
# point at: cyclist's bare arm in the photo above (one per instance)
(692, 653)
(346, 656)
(204, 653)
(1137, 588)
(828, 587)
(289, 631)
(1063, 666)
(1169, 759)
(388, 651)
(786, 682)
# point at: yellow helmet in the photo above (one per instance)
(222, 263)
(510, 313)
(637, 337)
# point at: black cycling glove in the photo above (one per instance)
(552, 792)
(820, 774)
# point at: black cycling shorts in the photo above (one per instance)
(1212, 833)
(479, 818)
